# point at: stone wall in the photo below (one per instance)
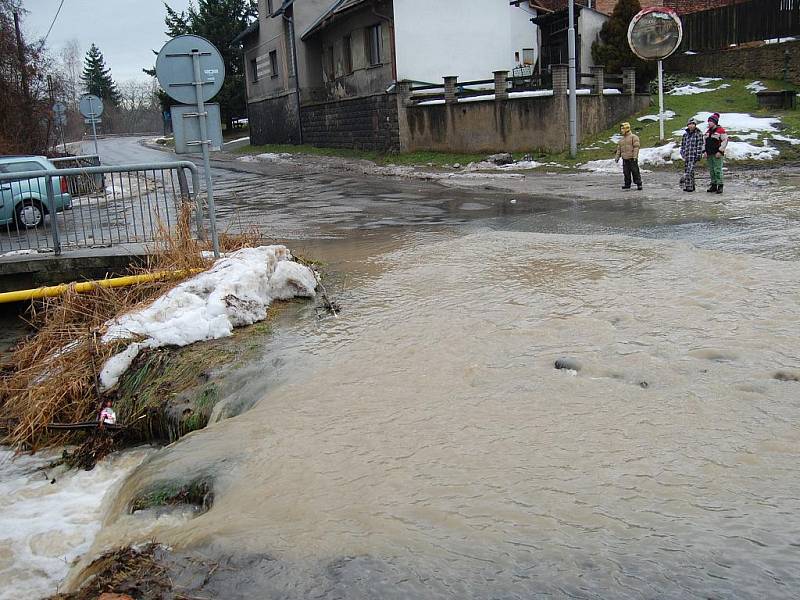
(517, 125)
(762, 62)
(368, 123)
(274, 121)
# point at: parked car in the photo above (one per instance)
(24, 201)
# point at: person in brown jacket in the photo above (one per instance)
(628, 151)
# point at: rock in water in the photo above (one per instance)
(504, 158)
(568, 364)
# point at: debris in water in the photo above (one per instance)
(568, 364)
(786, 376)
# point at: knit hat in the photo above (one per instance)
(714, 118)
(625, 127)
(691, 121)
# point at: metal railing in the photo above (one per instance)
(42, 211)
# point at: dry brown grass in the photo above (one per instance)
(54, 373)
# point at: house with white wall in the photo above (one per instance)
(358, 49)
(337, 72)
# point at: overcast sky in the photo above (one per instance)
(126, 31)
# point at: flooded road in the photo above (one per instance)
(421, 445)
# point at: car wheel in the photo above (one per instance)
(30, 214)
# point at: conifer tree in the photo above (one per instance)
(612, 50)
(97, 78)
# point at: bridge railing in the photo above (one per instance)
(47, 211)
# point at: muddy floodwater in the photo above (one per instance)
(422, 445)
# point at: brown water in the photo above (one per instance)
(423, 446)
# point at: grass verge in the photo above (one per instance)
(736, 98)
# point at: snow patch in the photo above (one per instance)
(668, 116)
(755, 87)
(746, 151)
(658, 156)
(235, 292)
(699, 87)
(742, 122)
(786, 138)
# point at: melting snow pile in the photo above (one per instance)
(656, 157)
(235, 292)
(756, 87)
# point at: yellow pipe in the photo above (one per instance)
(88, 286)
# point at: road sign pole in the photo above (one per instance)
(94, 126)
(661, 100)
(573, 83)
(205, 142)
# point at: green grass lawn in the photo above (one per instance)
(734, 99)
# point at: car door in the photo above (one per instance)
(6, 198)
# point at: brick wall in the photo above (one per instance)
(763, 62)
(368, 123)
(274, 121)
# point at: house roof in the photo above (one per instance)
(251, 29)
(333, 12)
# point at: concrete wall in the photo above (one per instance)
(763, 62)
(366, 123)
(468, 38)
(516, 125)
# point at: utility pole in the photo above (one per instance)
(573, 84)
(23, 71)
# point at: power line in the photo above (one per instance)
(46, 35)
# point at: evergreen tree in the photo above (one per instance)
(219, 21)
(612, 50)
(97, 79)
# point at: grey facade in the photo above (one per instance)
(344, 52)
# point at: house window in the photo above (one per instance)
(374, 44)
(253, 70)
(347, 51)
(273, 63)
(330, 67)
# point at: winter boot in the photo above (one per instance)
(719, 188)
(639, 187)
(626, 187)
(712, 189)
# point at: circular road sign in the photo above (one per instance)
(59, 108)
(175, 68)
(91, 106)
(655, 33)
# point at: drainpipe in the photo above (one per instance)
(292, 41)
(390, 23)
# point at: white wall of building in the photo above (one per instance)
(466, 38)
(524, 34)
(590, 22)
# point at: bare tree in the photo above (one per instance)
(70, 65)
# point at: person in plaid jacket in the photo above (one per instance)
(692, 149)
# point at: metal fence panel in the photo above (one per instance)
(133, 206)
(751, 21)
